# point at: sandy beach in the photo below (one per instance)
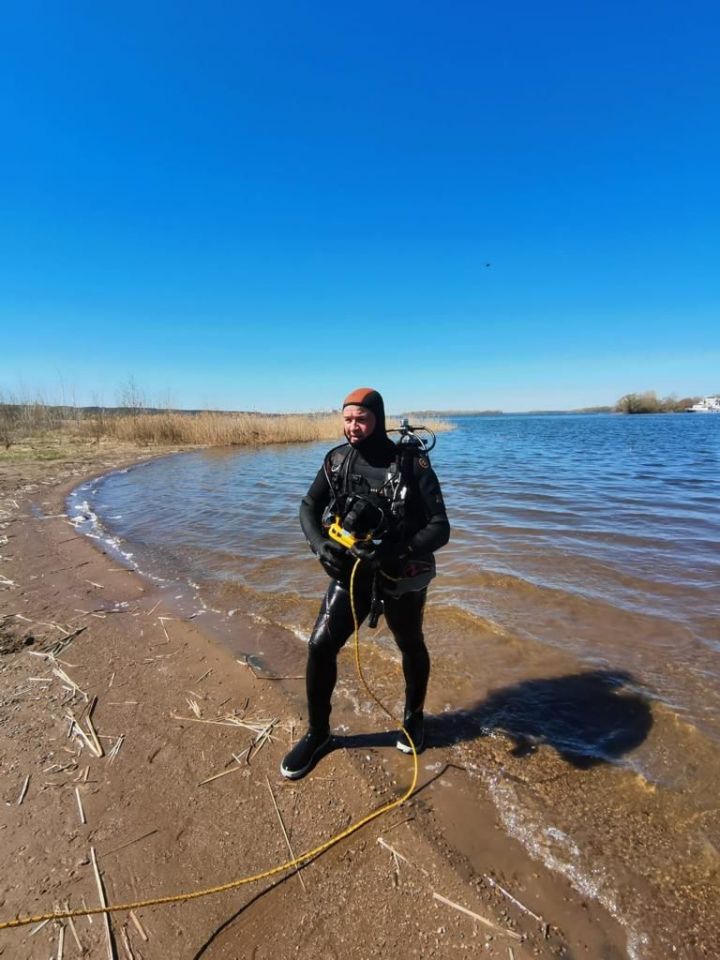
(107, 753)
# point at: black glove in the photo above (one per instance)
(334, 559)
(374, 556)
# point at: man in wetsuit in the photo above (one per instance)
(394, 492)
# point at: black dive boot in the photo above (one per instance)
(305, 754)
(414, 723)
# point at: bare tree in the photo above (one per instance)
(131, 397)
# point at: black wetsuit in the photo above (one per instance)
(425, 529)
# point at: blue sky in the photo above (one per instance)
(262, 206)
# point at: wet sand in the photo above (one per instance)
(157, 829)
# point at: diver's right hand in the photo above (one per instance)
(334, 559)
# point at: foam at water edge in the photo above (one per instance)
(560, 853)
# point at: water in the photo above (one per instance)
(576, 617)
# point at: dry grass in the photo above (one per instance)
(39, 432)
(220, 429)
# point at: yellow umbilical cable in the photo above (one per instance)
(273, 871)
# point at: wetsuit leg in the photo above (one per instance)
(404, 616)
(332, 630)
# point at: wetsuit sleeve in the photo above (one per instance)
(436, 531)
(311, 510)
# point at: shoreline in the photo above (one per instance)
(145, 671)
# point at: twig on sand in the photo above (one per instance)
(126, 944)
(76, 728)
(476, 916)
(399, 823)
(396, 860)
(103, 903)
(260, 676)
(494, 883)
(138, 926)
(80, 805)
(39, 927)
(129, 842)
(511, 953)
(67, 640)
(91, 728)
(73, 930)
(237, 757)
(23, 790)
(260, 740)
(399, 856)
(70, 683)
(284, 831)
(115, 749)
(61, 941)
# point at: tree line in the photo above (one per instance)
(649, 402)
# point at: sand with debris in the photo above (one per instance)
(132, 740)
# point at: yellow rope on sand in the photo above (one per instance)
(265, 874)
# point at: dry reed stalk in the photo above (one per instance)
(511, 953)
(103, 903)
(130, 842)
(23, 790)
(256, 726)
(126, 943)
(260, 741)
(284, 832)
(80, 806)
(512, 899)
(91, 728)
(68, 681)
(60, 767)
(206, 674)
(138, 926)
(61, 941)
(73, 930)
(38, 928)
(399, 822)
(476, 916)
(87, 917)
(397, 855)
(75, 727)
(115, 749)
(223, 773)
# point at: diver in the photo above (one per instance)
(379, 502)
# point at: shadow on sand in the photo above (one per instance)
(592, 717)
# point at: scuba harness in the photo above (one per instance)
(363, 516)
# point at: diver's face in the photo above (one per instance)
(359, 423)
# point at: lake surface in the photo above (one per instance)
(576, 612)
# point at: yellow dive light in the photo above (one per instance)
(344, 537)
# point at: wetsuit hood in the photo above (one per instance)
(378, 444)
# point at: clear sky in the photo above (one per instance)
(262, 206)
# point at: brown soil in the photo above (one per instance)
(75, 624)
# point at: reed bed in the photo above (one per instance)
(55, 427)
(220, 429)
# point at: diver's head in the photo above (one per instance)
(363, 416)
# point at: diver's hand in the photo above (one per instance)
(376, 556)
(334, 559)
(367, 552)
